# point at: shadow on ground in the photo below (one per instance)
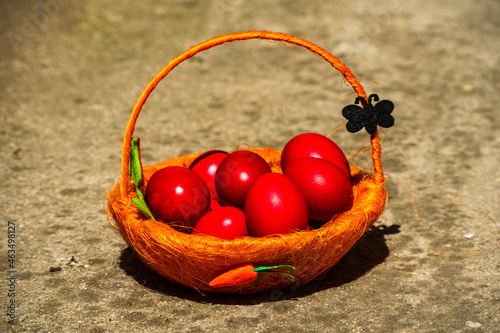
(368, 253)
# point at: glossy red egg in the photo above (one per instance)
(177, 194)
(236, 173)
(314, 145)
(224, 222)
(206, 166)
(325, 187)
(274, 205)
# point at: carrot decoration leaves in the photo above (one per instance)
(137, 177)
(248, 273)
(271, 269)
(135, 162)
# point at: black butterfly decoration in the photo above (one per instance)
(368, 116)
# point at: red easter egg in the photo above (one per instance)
(274, 205)
(236, 173)
(314, 145)
(177, 194)
(224, 222)
(206, 166)
(325, 187)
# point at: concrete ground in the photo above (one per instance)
(70, 72)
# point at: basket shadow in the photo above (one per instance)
(366, 254)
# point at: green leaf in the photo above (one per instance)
(269, 269)
(288, 276)
(136, 176)
(288, 267)
(143, 207)
(135, 163)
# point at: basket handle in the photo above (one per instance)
(337, 64)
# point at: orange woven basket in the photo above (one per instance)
(195, 260)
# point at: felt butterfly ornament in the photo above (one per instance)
(367, 115)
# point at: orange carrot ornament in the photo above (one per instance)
(247, 273)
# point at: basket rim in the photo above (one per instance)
(363, 176)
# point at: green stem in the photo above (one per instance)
(262, 270)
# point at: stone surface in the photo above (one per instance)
(71, 71)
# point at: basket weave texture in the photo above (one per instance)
(194, 260)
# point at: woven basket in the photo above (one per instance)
(194, 260)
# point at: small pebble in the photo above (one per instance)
(468, 88)
(473, 324)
